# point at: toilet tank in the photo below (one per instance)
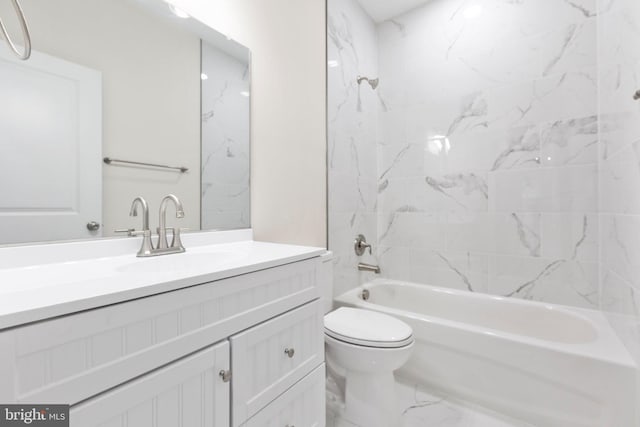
(325, 280)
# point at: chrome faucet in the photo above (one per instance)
(145, 211)
(162, 248)
(368, 267)
(147, 245)
(176, 244)
(360, 246)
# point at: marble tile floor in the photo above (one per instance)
(423, 408)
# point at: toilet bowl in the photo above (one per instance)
(363, 348)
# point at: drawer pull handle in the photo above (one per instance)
(225, 375)
(289, 352)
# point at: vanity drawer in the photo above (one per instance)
(303, 405)
(69, 359)
(269, 358)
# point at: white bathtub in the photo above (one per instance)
(544, 364)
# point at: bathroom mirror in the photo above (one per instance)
(114, 82)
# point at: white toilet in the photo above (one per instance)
(364, 348)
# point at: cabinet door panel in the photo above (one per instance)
(300, 406)
(188, 392)
(262, 370)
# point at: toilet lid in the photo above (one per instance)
(367, 328)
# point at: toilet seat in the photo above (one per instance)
(367, 328)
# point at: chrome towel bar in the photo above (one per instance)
(109, 160)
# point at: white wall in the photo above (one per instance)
(288, 96)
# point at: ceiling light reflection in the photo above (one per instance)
(473, 12)
(177, 11)
(438, 144)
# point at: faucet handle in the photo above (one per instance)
(360, 245)
(130, 231)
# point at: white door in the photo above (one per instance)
(50, 149)
(188, 393)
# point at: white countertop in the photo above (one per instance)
(77, 276)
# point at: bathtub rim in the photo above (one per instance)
(606, 347)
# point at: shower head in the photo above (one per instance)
(372, 82)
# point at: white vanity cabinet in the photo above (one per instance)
(157, 360)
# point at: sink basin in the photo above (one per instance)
(187, 261)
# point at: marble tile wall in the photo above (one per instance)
(476, 164)
(488, 155)
(619, 78)
(353, 113)
(225, 141)
(506, 153)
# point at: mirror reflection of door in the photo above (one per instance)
(146, 107)
(50, 147)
